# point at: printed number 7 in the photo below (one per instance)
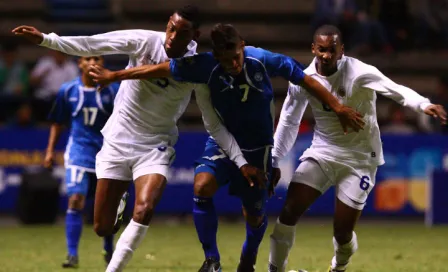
(244, 87)
(364, 184)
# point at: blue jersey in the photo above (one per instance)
(244, 102)
(86, 111)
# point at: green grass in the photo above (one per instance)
(384, 247)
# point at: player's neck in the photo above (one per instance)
(87, 81)
(326, 71)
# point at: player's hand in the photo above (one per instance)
(101, 76)
(350, 118)
(30, 33)
(276, 175)
(437, 111)
(49, 160)
(254, 175)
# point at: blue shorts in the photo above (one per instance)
(78, 181)
(215, 162)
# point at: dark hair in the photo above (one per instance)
(328, 30)
(190, 13)
(225, 37)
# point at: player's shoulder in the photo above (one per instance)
(70, 85)
(205, 60)
(357, 66)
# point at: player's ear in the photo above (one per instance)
(196, 35)
(243, 43)
(312, 48)
(342, 49)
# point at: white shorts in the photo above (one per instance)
(128, 163)
(352, 185)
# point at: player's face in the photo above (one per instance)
(328, 50)
(179, 33)
(231, 60)
(85, 62)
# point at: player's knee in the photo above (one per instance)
(76, 202)
(291, 213)
(143, 212)
(342, 236)
(102, 230)
(254, 220)
(205, 185)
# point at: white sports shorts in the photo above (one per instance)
(120, 162)
(352, 185)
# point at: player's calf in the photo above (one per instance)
(73, 228)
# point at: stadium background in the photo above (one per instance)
(406, 39)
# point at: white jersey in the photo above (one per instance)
(146, 111)
(355, 84)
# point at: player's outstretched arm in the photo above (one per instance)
(104, 76)
(375, 80)
(127, 42)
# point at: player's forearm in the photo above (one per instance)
(284, 138)
(143, 72)
(55, 132)
(320, 92)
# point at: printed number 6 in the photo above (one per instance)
(364, 184)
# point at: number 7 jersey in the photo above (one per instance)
(86, 111)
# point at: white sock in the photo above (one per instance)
(343, 253)
(129, 240)
(282, 239)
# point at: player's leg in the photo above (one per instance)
(77, 186)
(204, 215)
(351, 194)
(307, 184)
(148, 191)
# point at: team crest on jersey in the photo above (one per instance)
(341, 92)
(258, 76)
(106, 98)
(189, 60)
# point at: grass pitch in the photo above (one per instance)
(384, 247)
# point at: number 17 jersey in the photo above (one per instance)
(85, 111)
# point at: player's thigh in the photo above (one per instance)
(148, 192)
(113, 163)
(308, 183)
(213, 170)
(152, 161)
(77, 184)
(353, 185)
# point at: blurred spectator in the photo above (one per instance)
(50, 73)
(23, 118)
(341, 13)
(397, 124)
(14, 77)
(432, 26)
(396, 19)
(429, 124)
(47, 77)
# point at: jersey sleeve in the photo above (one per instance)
(288, 126)
(194, 69)
(60, 111)
(128, 42)
(373, 79)
(215, 128)
(283, 66)
(114, 87)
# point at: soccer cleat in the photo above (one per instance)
(120, 212)
(71, 262)
(334, 270)
(210, 265)
(107, 256)
(247, 264)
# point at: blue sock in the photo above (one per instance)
(253, 239)
(73, 229)
(206, 222)
(108, 245)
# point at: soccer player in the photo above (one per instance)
(348, 162)
(140, 134)
(85, 110)
(241, 92)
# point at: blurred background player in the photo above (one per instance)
(79, 106)
(141, 133)
(350, 161)
(247, 114)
